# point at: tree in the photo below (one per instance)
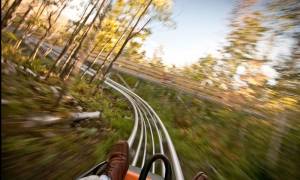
(113, 30)
(104, 35)
(284, 21)
(161, 12)
(23, 18)
(74, 35)
(42, 39)
(157, 60)
(5, 4)
(203, 69)
(243, 40)
(114, 47)
(9, 13)
(69, 66)
(35, 20)
(48, 30)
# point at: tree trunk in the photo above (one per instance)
(276, 139)
(123, 81)
(5, 5)
(9, 13)
(130, 35)
(94, 60)
(113, 48)
(50, 25)
(30, 25)
(61, 10)
(50, 49)
(136, 85)
(71, 39)
(98, 55)
(91, 51)
(23, 18)
(57, 17)
(69, 65)
(75, 33)
(37, 47)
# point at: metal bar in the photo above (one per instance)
(145, 143)
(139, 144)
(175, 160)
(153, 119)
(136, 117)
(152, 138)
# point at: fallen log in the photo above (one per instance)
(49, 119)
(85, 115)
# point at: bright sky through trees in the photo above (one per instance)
(201, 29)
(93, 76)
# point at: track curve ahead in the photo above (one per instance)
(149, 135)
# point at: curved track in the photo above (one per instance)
(150, 124)
(149, 135)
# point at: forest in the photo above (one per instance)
(232, 116)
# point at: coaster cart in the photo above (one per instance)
(135, 173)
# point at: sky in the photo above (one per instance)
(201, 26)
(201, 29)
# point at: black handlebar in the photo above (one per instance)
(146, 168)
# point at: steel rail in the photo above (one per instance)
(143, 134)
(145, 143)
(134, 162)
(152, 139)
(174, 157)
(175, 160)
(153, 121)
(136, 117)
(143, 110)
(143, 116)
(159, 138)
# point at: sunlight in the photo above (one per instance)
(100, 89)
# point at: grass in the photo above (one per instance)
(62, 150)
(224, 143)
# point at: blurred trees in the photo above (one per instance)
(284, 19)
(8, 14)
(51, 21)
(154, 9)
(202, 70)
(157, 59)
(104, 29)
(240, 52)
(284, 22)
(108, 30)
(267, 80)
(255, 33)
(243, 40)
(33, 22)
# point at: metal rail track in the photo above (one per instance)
(146, 121)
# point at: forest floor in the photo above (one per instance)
(224, 143)
(31, 142)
